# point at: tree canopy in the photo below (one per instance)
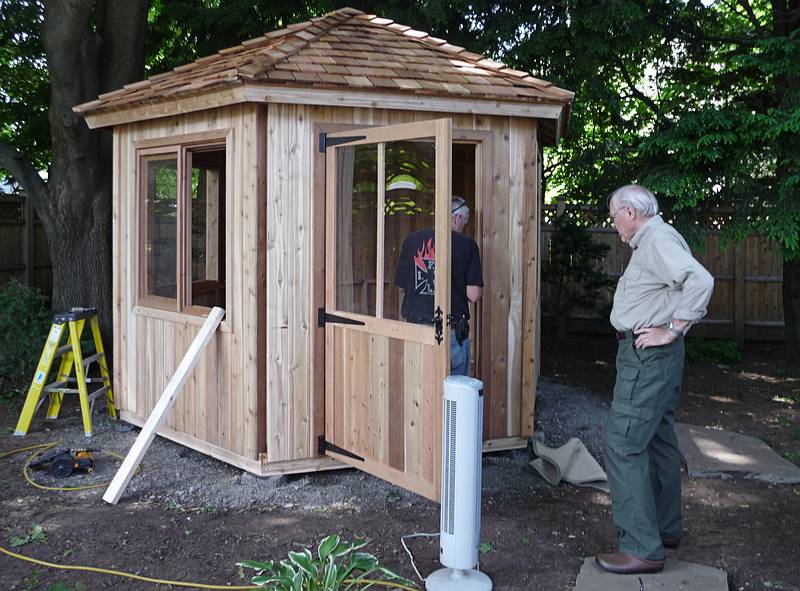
(699, 100)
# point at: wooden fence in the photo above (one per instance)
(24, 253)
(747, 301)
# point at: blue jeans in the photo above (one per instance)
(459, 356)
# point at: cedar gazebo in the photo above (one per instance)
(277, 179)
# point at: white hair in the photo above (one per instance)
(635, 197)
(459, 205)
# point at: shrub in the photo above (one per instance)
(573, 267)
(713, 351)
(24, 323)
(336, 566)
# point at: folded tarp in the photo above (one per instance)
(570, 463)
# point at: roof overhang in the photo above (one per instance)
(556, 113)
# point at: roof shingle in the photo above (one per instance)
(345, 49)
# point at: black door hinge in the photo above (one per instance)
(327, 142)
(323, 446)
(323, 317)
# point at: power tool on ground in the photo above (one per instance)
(61, 463)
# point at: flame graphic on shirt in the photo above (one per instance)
(427, 252)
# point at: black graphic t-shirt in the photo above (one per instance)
(416, 272)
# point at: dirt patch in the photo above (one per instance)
(189, 517)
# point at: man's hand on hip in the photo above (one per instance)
(652, 337)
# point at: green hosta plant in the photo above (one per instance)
(337, 566)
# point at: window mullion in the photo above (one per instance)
(184, 222)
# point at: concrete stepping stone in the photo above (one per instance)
(676, 576)
(710, 453)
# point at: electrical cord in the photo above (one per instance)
(119, 573)
(410, 555)
(41, 448)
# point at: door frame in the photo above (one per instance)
(482, 219)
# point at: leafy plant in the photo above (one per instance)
(713, 351)
(573, 268)
(35, 535)
(336, 566)
(24, 323)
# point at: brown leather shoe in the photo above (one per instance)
(671, 543)
(627, 564)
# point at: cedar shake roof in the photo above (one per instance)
(343, 50)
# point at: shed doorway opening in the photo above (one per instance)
(385, 362)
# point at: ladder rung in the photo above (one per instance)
(64, 349)
(63, 390)
(95, 357)
(55, 386)
(98, 392)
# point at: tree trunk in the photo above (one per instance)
(88, 53)
(791, 308)
(786, 23)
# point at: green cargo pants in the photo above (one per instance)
(641, 449)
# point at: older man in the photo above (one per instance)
(663, 291)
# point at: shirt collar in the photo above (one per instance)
(656, 220)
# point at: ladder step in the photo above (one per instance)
(91, 358)
(64, 349)
(55, 386)
(97, 393)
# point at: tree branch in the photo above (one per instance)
(635, 91)
(751, 16)
(23, 171)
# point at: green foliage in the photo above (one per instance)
(24, 322)
(573, 268)
(24, 85)
(36, 534)
(336, 566)
(713, 351)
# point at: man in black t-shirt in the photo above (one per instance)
(415, 276)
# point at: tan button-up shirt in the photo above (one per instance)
(662, 281)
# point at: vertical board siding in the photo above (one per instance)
(290, 287)
(218, 405)
(531, 316)
(294, 395)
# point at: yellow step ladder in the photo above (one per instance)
(68, 323)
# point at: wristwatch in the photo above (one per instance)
(674, 330)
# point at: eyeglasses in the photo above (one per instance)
(613, 216)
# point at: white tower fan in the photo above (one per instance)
(462, 442)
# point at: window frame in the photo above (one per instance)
(179, 147)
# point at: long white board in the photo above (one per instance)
(164, 404)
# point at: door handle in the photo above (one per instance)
(438, 324)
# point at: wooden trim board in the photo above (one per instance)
(328, 98)
(165, 403)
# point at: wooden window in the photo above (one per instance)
(182, 227)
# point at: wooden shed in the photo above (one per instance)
(277, 179)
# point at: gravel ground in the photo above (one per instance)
(564, 411)
(180, 477)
